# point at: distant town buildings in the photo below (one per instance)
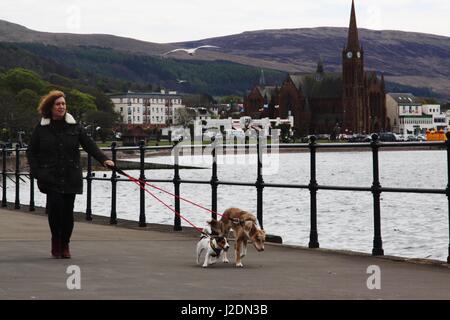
(155, 108)
(352, 102)
(238, 125)
(410, 116)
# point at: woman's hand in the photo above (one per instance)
(109, 164)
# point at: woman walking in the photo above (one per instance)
(54, 159)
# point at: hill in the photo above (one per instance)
(407, 58)
(112, 70)
(411, 61)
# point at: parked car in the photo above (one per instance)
(323, 137)
(412, 137)
(421, 137)
(387, 137)
(399, 137)
(360, 138)
(344, 136)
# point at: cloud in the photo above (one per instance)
(181, 20)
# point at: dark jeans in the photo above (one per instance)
(60, 215)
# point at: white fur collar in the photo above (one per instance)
(68, 118)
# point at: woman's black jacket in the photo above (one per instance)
(54, 155)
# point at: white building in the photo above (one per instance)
(158, 108)
(409, 116)
(439, 119)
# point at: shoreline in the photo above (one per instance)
(123, 156)
(296, 150)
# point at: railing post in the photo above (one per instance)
(313, 187)
(17, 202)
(376, 190)
(259, 182)
(31, 207)
(89, 189)
(214, 181)
(113, 217)
(447, 143)
(176, 184)
(142, 219)
(4, 202)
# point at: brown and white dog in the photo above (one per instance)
(215, 248)
(243, 224)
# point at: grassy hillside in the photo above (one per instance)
(113, 70)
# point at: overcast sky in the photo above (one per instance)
(183, 20)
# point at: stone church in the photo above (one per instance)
(321, 102)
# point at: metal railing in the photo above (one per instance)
(376, 189)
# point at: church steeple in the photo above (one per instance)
(353, 39)
(353, 78)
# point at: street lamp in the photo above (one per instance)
(20, 133)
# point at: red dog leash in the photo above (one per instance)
(139, 183)
(165, 191)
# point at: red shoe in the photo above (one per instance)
(56, 248)
(65, 252)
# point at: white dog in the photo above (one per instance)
(214, 246)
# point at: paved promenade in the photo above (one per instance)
(123, 262)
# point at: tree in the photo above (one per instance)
(26, 116)
(6, 111)
(284, 132)
(231, 100)
(18, 79)
(197, 100)
(79, 103)
(103, 120)
(102, 101)
(184, 116)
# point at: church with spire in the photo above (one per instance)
(349, 102)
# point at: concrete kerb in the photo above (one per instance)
(191, 232)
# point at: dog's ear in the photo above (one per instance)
(212, 221)
(217, 226)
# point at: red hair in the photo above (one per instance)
(47, 102)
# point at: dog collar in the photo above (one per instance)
(217, 250)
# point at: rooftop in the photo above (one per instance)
(405, 98)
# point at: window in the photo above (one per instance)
(121, 109)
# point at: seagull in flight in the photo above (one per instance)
(181, 81)
(191, 52)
